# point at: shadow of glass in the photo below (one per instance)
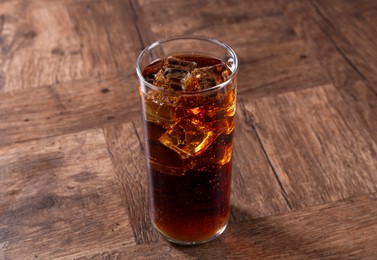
(261, 238)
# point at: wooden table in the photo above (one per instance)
(72, 169)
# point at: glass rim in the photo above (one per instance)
(188, 37)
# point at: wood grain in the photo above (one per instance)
(72, 166)
(344, 230)
(269, 75)
(150, 251)
(65, 108)
(44, 44)
(206, 18)
(341, 230)
(324, 41)
(59, 198)
(125, 147)
(358, 38)
(260, 35)
(255, 189)
(318, 155)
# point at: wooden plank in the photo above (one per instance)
(44, 44)
(324, 41)
(358, 39)
(39, 47)
(370, 15)
(149, 251)
(242, 26)
(264, 73)
(130, 166)
(65, 108)
(140, 21)
(120, 22)
(318, 154)
(341, 230)
(59, 197)
(114, 22)
(87, 20)
(265, 40)
(255, 189)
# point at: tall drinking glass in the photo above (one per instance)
(188, 97)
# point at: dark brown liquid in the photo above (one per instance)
(189, 195)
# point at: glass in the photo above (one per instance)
(188, 96)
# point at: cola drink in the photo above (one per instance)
(188, 108)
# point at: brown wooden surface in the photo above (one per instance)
(72, 168)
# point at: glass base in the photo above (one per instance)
(191, 243)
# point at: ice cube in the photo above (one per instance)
(225, 103)
(174, 62)
(160, 108)
(217, 112)
(188, 138)
(206, 77)
(220, 156)
(227, 156)
(170, 76)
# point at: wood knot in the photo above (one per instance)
(105, 90)
(58, 51)
(30, 34)
(2, 79)
(47, 202)
(74, 52)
